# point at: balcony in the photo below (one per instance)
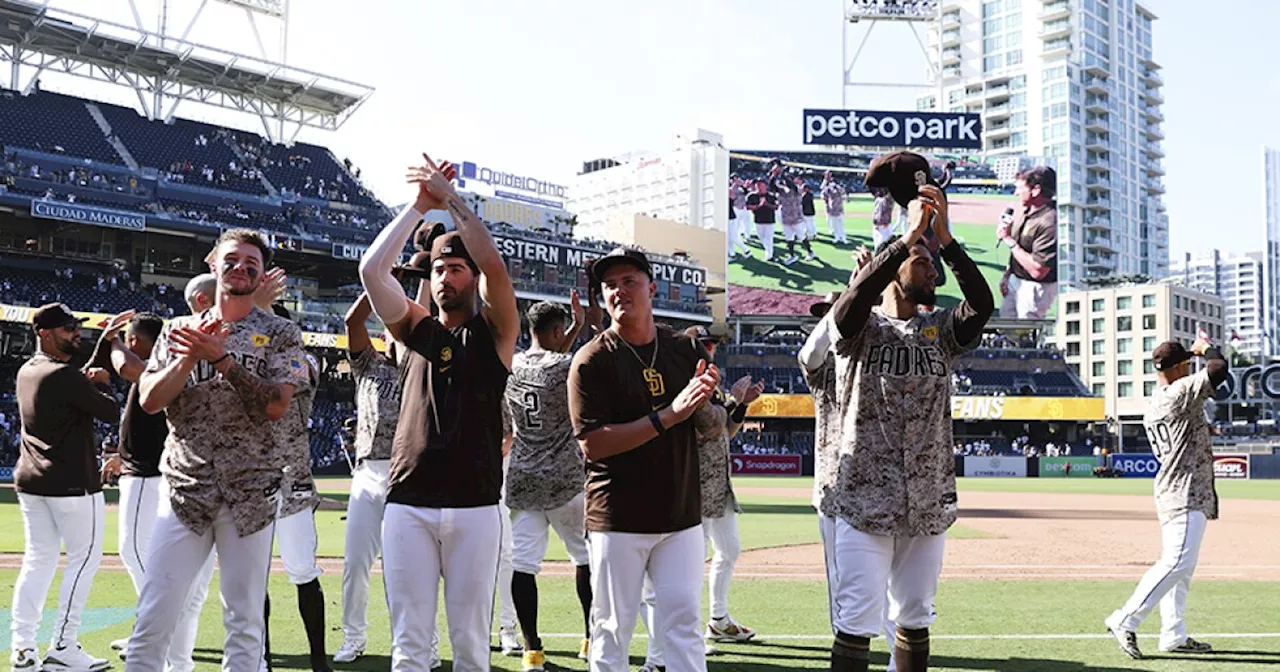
(1153, 187)
(1097, 163)
(997, 93)
(1099, 261)
(952, 72)
(1096, 66)
(995, 112)
(1149, 62)
(1058, 47)
(1096, 142)
(1096, 104)
(1153, 149)
(1098, 223)
(1097, 85)
(1152, 167)
(950, 20)
(1058, 9)
(1098, 184)
(1097, 241)
(1058, 28)
(1153, 132)
(1151, 78)
(1152, 96)
(951, 56)
(950, 38)
(1153, 114)
(971, 94)
(1096, 123)
(1098, 203)
(997, 132)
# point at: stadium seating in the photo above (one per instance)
(25, 122)
(306, 170)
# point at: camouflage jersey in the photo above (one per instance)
(710, 423)
(894, 473)
(1181, 440)
(789, 206)
(833, 198)
(377, 404)
(826, 427)
(738, 195)
(218, 453)
(295, 441)
(546, 469)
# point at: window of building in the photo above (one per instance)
(1073, 307)
(1124, 367)
(1177, 323)
(1148, 300)
(1124, 390)
(1148, 322)
(1099, 347)
(1148, 344)
(1073, 328)
(1148, 367)
(1075, 368)
(1099, 369)
(1099, 325)
(1013, 57)
(1099, 390)
(1124, 324)
(990, 63)
(1099, 305)
(1148, 388)
(1124, 302)
(992, 44)
(1123, 345)
(1073, 349)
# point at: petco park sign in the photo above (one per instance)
(950, 130)
(1256, 383)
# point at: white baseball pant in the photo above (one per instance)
(1027, 299)
(48, 523)
(810, 229)
(1167, 581)
(880, 234)
(421, 546)
(296, 536)
(139, 505)
(619, 562)
(793, 231)
(861, 565)
(175, 562)
(764, 232)
(529, 535)
(364, 542)
(744, 220)
(890, 630)
(722, 534)
(835, 224)
(506, 605)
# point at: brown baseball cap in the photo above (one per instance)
(620, 255)
(902, 173)
(54, 315)
(1168, 355)
(820, 308)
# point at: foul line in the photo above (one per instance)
(827, 636)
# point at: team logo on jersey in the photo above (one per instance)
(930, 332)
(921, 178)
(446, 354)
(260, 340)
(654, 380)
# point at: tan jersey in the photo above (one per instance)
(894, 473)
(377, 404)
(1181, 440)
(826, 428)
(710, 423)
(218, 453)
(545, 470)
(295, 440)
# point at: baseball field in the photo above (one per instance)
(772, 288)
(1031, 569)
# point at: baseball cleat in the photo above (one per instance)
(120, 644)
(73, 658)
(1128, 641)
(1189, 646)
(350, 650)
(509, 642)
(726, 630)
(533, 661)
(650, 667)
(584, 651)
(27, 660)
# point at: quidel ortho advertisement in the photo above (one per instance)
(795, 230)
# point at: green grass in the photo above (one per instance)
(791, 617)
(830, 271)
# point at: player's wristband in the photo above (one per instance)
(216, 361)
(1009, 242)
(657, 422)
(739, 413)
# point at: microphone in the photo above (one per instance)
(1006, 220)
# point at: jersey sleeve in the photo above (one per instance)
(1198, 386)
(287, 361)
(362, 361)
(588, 385)
(160, 355)
(945, 324)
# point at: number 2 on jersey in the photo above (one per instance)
(532, 406)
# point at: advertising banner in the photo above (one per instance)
(941, 130)
(1136, 465)
(567, 255)
(962, 408)
(1067, 467)
(765, 465)
(86, 214)
(511, 184)
(1004, 466)
(1235, 467)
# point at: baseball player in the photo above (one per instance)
(715, 423)
(739, 217)
(833, 198)
(632, 390)
(763, 206)
(888, 496)
(296, 523)
(791, 212)
(442, 519)
(545, 474)
(59, 490)
(807, 210)
(1185, 494)
(377, 409)
(223, 377)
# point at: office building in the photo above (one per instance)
(1237, 280)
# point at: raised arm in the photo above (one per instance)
(814, 351)
(579, 321)
(386, 296)
(969, 318)
(357, 333)
(851, 310)
(165, 376)
(83, 394)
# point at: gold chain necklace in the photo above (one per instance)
(652, 378)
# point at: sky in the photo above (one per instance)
(538, 88)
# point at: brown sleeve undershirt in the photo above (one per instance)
(852, 309)
(972, 314)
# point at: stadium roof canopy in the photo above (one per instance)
(163, 68)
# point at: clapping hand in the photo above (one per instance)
(202, 342)
(435, 183)
(271, 288)
(706, 377)
(112, 326)
(744, 392)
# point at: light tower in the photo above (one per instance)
(900, 17)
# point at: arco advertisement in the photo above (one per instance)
(1136, 465)
(1233, 467)
(1067, 467)
(764, 465)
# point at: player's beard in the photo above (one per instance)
(921, 296)
(67, 346)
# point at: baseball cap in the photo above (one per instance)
(419, 265)
(902, 173)
(620, 255)
(450, 245)
(54, 315)
(820, 308)
(1168, 355)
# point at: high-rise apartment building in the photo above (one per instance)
(1237, 280)
(1075, 80)
(1271, 251)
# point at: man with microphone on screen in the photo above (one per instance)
(1030, 282)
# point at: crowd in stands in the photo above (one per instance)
(106, 291)
(756, 442)
(1022, 446)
